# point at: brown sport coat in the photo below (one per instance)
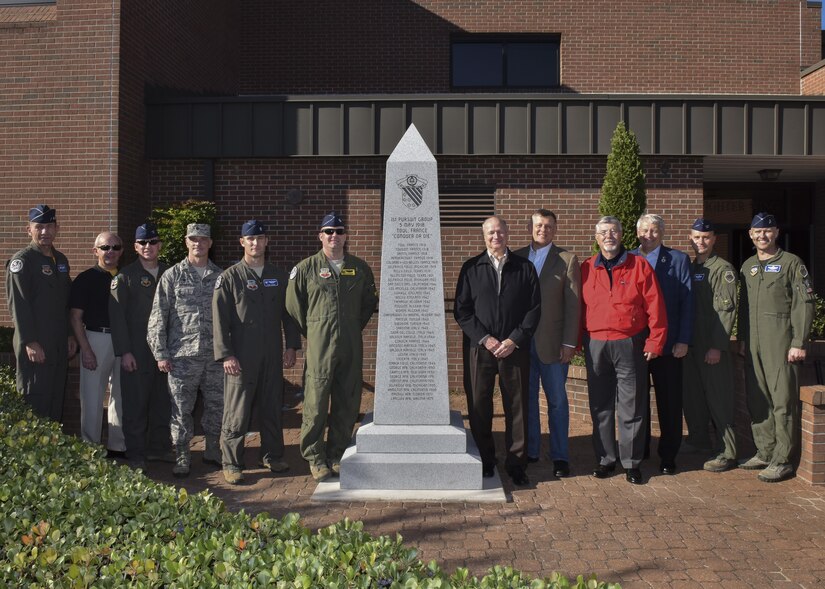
(560, 283)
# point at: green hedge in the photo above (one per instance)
(70, 518)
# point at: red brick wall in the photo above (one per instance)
(570, 186)
(635, 46)
(814, 83)
(59, 70)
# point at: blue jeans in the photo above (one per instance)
(553, 378)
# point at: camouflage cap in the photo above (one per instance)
(198, 230)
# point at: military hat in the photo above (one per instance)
(702, 225)
(763, 220)
(42, 214)
(198, 230)
(253, 227)
(146, 231)
(332, 219)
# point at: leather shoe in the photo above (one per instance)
(532, 459)
(561, 469)
(633, 476)
(668, 468)
(519, 478)
(488, 471)
(602, 471)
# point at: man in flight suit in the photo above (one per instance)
(144, 388)
(248, 310)
(708, 376)
(331, 296)
(37, 289)
(776, 309)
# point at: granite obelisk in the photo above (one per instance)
(413, 441)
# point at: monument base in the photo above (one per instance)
(405, 439)
(420, 467)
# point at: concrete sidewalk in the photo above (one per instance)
(695, 529)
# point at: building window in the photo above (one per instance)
(512, 62)
(26, 2)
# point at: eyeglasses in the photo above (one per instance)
(106, 248)
(611, 232)
(339, 231)
(147, 241)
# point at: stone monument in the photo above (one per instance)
(412, 440)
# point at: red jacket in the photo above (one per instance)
(632, 303)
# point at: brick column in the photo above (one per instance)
(812, 457)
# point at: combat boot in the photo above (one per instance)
(212, 453)
(183, 460)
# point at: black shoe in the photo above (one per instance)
(668, 468)
(602, 471)
(519, 477)
(532, 459)
(488, 471)
(115, 454)
(633, 476)
(561, 469)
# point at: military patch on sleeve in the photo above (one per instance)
(803, 271)
(730, 276)
(113, 286)
(16, 265)
(218, 282)
(293, 273)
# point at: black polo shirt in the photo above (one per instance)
(90, 292)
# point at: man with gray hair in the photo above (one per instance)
(625, 326)
(672, 269)
(180, 337)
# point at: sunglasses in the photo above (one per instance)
(339, 231)
(147, 241)
(106, 248)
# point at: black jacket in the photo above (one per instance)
(513, 313)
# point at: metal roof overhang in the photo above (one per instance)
(736, 135)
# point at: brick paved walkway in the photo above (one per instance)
(691, 530)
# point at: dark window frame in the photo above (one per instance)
(27, 2)
(505, 39)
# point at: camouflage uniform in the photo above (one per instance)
(776, 309)
(331, 311)
(249, 313)
(37, 288)
(145, 392)
(180, 330)
(708, 388)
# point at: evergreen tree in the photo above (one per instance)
(623, 191)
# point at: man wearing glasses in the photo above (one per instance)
(37, 288)
(331, 296)
(89, 317)
(180, 337)
(144, 387)
(625, 327)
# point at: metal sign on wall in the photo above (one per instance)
(733, 211)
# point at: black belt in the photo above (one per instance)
(99, 329)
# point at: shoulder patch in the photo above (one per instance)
(16, 265)
(803, 271)
(113, 286)
(218, 282)
(293, 273)
(730, 276)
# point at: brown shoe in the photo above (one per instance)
(320, 472)
(232, 476)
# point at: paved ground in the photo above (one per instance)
(695, 529)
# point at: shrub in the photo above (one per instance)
(172, 221)
(818, 327)
(70, 518)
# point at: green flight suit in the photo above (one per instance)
(708, 391)
(248, 314)
(776, 309)
(331, 311)
(37, 288)
(145, 392)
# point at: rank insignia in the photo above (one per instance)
(16, 266)
(270, 282)
(63, 268)
(730, 276)
(293, 273)
(113, 284)
(754, 270)
(347, 271)
(218, 282)
(698, 277)
(146, 282)
(252, 284)
(773, 268)
(324, 273)
(46, 269)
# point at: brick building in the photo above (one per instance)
(284, 110)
